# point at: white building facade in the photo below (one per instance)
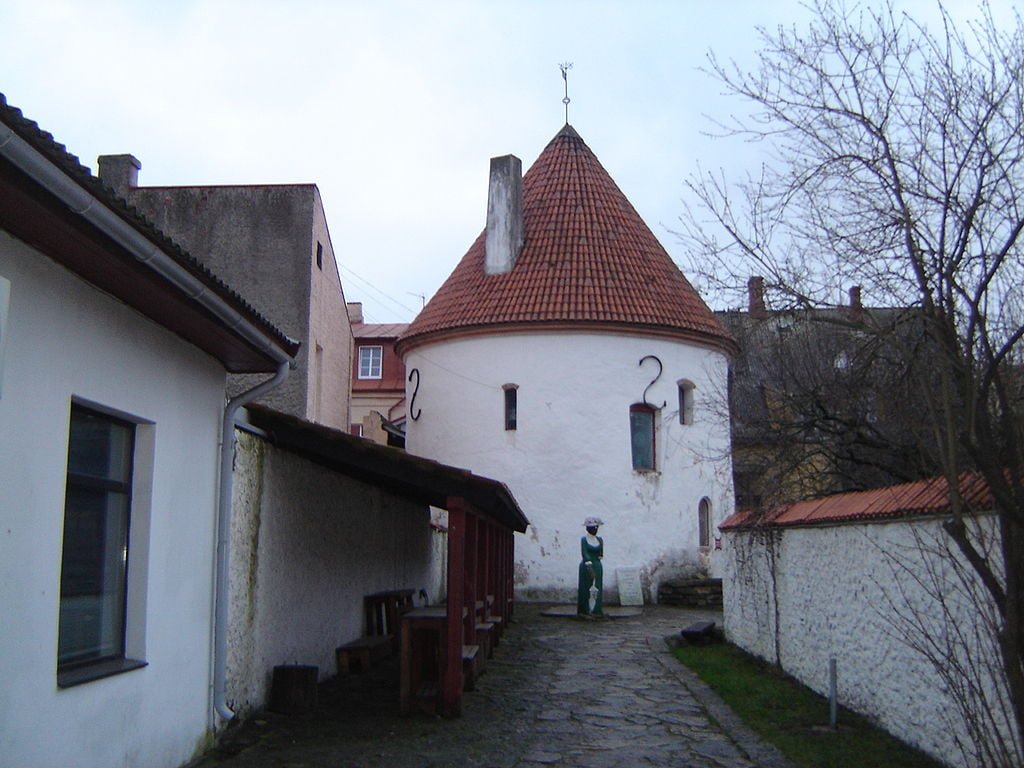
(114, 349)
(99, 357)
(583, 371)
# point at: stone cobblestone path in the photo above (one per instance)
(559, 692)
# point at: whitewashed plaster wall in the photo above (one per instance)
(570, 454)
(799, 596)
(68, 340)
(307, 545)
(262, 239)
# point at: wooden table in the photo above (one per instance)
(424, 659)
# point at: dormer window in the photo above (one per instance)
(370, 359)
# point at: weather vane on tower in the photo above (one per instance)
(565, 66)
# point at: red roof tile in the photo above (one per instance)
(378, 330)
(924, 497)
(588, 259)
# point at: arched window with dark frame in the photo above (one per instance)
(704, 521)
(686, 388)
(511, 405)
(641, 432)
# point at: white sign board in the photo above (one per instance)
(630, 591)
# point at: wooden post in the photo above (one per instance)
(486, 560)
(470, 595)
(510, 556)
(405, 670)
(451, 682)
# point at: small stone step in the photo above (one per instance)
(691, 593)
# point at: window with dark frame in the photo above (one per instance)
(370, 359)
(94, 559)
(641, 429)
(511, 405)
(704, 521)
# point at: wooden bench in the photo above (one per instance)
(494, 619)
(486, 637)
(364, 652)
(469, 666)
(484, 631)
(384, 611)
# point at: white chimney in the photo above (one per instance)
(355, 311)
(119, 172)
(504, 237)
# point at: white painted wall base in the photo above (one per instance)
(64, 340)
(307, 545)
(846, 591)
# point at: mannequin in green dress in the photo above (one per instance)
(591, 572)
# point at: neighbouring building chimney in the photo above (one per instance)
(119, 172)
(755, 297)
(504, 237)
(355, 311)
(856, 308)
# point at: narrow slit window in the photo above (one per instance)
(511, 405)
(641, 429)
(686, 389)
(319, 255)
(704, 521)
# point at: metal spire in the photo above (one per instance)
(565, 66)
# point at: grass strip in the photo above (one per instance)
(794, 718)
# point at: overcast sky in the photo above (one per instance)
(393, 109)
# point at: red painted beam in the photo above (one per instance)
(470, 596)
(451, 681)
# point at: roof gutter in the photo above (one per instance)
(82, 202)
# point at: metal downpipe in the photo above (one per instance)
(222, 588)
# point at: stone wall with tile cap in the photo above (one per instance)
(798, 596)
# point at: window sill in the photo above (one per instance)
(69, 678)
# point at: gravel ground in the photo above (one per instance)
(558, 692)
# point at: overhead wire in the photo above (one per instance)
(375, 289)
(397, 303)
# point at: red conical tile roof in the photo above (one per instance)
(588, 261)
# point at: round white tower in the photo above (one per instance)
(568, 357)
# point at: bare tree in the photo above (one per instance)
(928, 589)
(896, 162)
(821, 402)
